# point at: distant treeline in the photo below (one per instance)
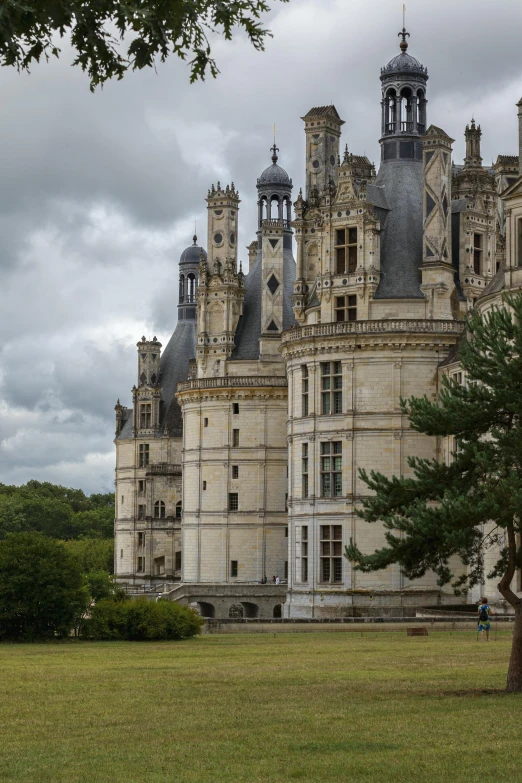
(55, 511)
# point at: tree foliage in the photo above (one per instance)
(463, 509)
(57, 512)
(93, 554)
(112, 36)
(141, 620)
(42, 589)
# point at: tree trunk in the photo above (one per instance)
(514, 678)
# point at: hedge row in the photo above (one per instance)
(141, 620)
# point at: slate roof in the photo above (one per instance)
(453, 355)
(323, 111)
(126, 430)
(496, 284)
(404, 63)
(274, 175)
(181, 348)
(510, 160)
(192, 253)
(174, 368)
(375, 195)
(401, 185)
(248, 331)
(458, 205)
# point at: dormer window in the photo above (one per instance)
(346, 250)
(145, 415)
(346, 308)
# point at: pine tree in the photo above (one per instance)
(474, 503)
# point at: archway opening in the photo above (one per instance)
(236, 612)
(278, 611)
(206, 609)
(249, 609)
(274, 208)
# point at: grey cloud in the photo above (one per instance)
(100, 191)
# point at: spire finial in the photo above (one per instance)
(274, 149)
(195, 237)
(404, 42)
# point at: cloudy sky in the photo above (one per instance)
(100, 192)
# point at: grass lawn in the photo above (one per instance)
(325, 707)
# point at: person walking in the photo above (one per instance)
(484, 619)
(277, 580)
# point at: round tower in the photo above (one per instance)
(188, 280)
(403, 104)
(274, 188)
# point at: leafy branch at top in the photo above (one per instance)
(112, 36)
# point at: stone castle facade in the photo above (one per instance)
(239, 458)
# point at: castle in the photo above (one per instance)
(239, 457)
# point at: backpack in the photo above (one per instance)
(484, 614)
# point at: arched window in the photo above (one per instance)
(181, 288)
(159, 509)
(191, 297)
(406, 110)
(390, 111)
(287, 210)
(274, 207)
(178, 509)
(263, 209)
(421, 111)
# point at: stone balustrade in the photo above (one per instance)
(382, 326)
(232, 381)
(163, 469)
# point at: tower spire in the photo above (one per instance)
(403, 33)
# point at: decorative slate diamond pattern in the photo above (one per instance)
(273, 284)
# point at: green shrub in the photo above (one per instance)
(108, 620)
(141, 620)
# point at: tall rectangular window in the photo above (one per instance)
(142, 486)
(141, 564)
(141, 539)
(141, 512)
(235, 438)
(304, 553)
(304, 389)
(304, 469)
(477, 254)
(331, 388)
(146, 415)
(235, 408)
(340, 250)
(346, 250)
(233, 501)
(235, 471)
(331, 553)
(519, 242)
(144, 455)
(233, 568)
(331, 469)
(346, 308)
(177, 565)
